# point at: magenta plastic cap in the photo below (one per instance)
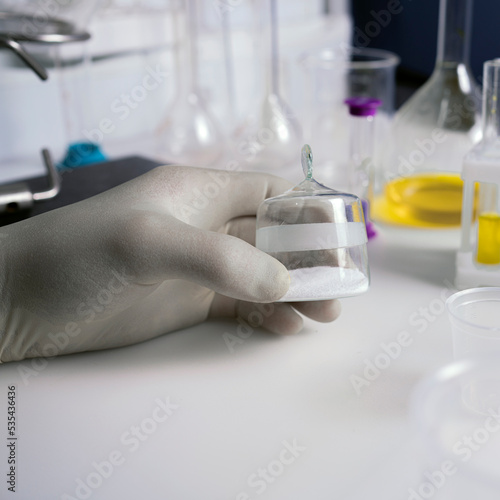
(363, 106)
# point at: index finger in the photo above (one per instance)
(209, 197)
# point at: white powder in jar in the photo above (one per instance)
(323, 282)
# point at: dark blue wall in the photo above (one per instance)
(412, 31)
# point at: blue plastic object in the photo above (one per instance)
(80, 154)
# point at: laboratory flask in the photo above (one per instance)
(268, 137)
(190, 132)
(419, 183)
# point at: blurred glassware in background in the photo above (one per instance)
(189, 133)
(362, 111)
(456, 415)
(474, 315)
(73, 72)
(227, 61)
(330, 75)
(371, 73)
(270, 135)
(129, 80)
(478, 259)
(432, 132)
(230, 80)
(322, 111)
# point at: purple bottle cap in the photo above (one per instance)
(370, 229)
(363, 106)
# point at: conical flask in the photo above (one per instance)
(189, 133)
(449, 101)
(433, 131)
(271, 134)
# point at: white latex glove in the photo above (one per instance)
(161, 252)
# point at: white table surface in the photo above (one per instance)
(237, 411)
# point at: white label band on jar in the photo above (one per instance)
(317, 236)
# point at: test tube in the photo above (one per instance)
(488, 220)
(488, 226)
(362, 111)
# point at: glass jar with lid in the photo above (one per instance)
(319, 234)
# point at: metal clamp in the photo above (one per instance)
(28, 59)
(18, 196)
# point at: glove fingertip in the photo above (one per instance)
(274, 282)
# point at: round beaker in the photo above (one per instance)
(475, 322)
(371, 73)
(456, 413)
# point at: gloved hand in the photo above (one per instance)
(161, 252)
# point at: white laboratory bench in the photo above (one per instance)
(183, 417)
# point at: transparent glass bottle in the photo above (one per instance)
(433, 131)
(319, 235)
(362, 111)
(478, 260)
